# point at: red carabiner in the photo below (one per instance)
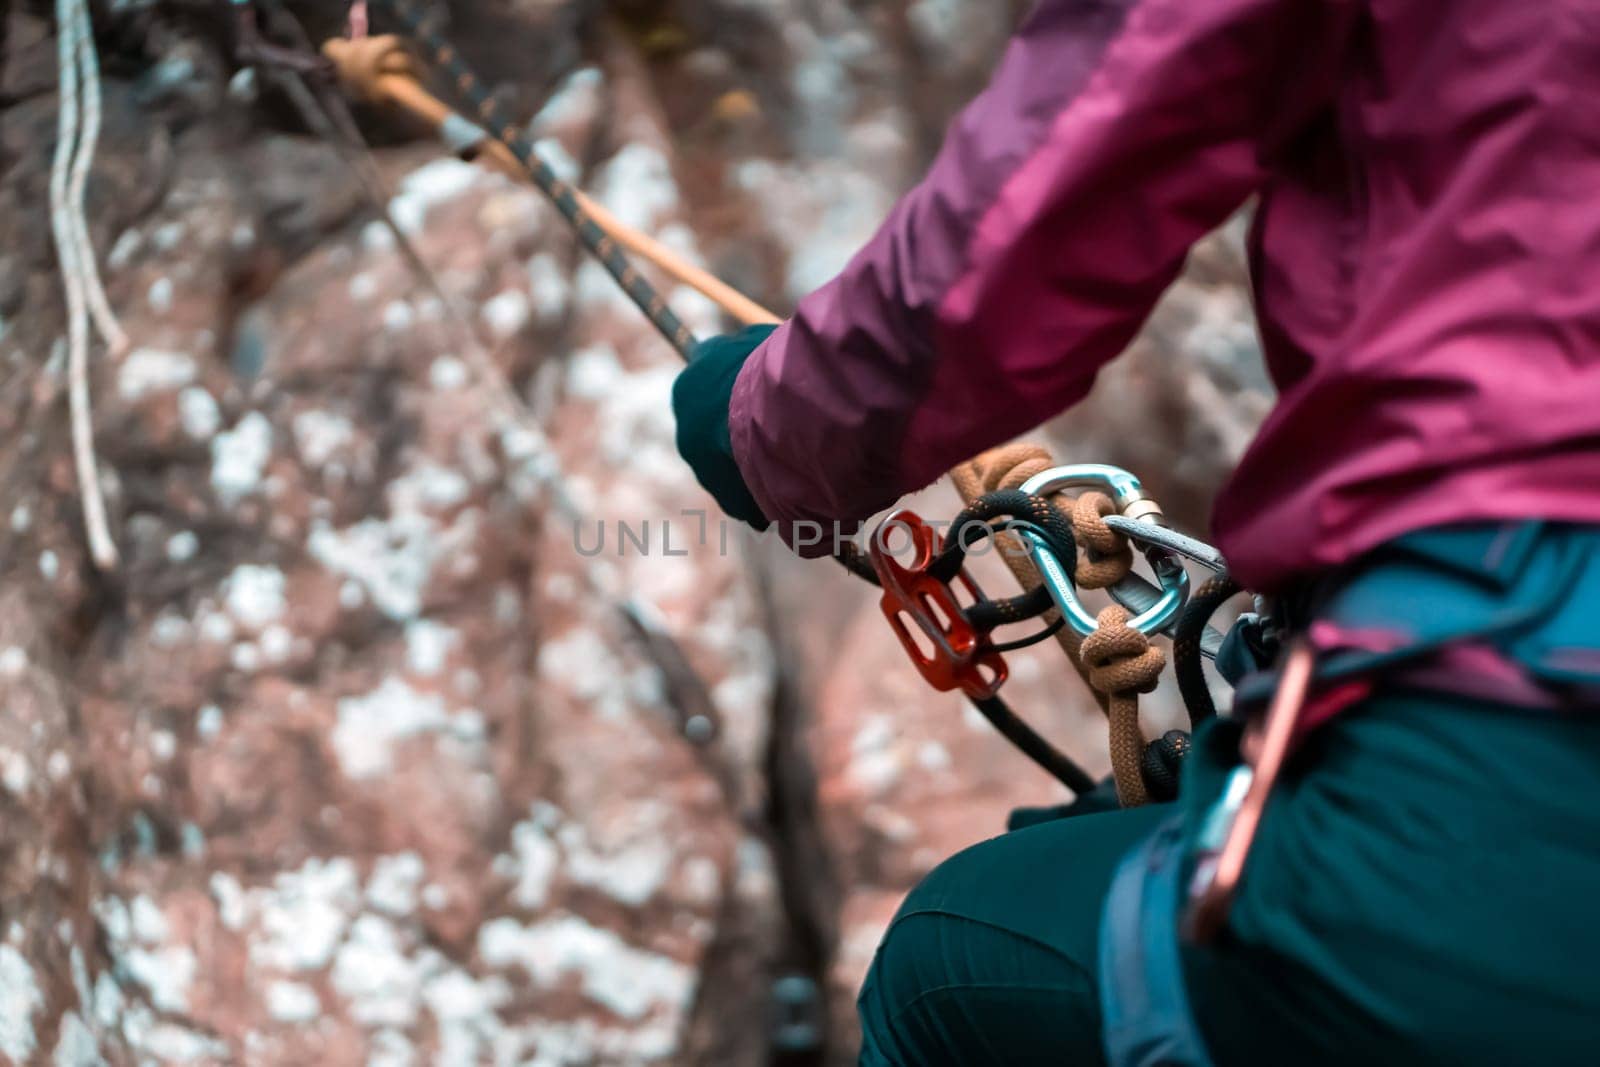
(962, 657)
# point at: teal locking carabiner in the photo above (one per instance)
(1128, 494)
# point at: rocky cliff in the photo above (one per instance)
(355, 759)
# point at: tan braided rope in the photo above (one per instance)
(1104, 556)
(1122, 663)
(1117, 662)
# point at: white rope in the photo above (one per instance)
(74, 38)
(88, 141)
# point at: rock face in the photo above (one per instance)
(356, 759)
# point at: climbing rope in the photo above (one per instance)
(77, 135)
(1123, 664)
(380, 71)
(1188, 664)
(499, 125)
(1121, 661)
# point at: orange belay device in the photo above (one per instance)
(962, 656)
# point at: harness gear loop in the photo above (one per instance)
(1122, 663)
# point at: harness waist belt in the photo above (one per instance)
(1530, 592)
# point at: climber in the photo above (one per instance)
(1426, 264)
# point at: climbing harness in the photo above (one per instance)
(1524, 590)
(1146, 1020)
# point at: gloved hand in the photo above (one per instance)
(700, 399)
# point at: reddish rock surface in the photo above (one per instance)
(355, 760)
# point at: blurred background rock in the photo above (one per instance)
(347, 764)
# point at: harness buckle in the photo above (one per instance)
(962, 656)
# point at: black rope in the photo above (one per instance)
(856, 562)
(498, 124)
(1052, 759)
(977, 521)
(1187, 663)
(1161, 766)
(1039, 638)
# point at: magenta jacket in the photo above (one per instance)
(1426, 261)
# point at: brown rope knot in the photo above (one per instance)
(1122, 663)
(1117, 661)
(1121, 660)
(1007, 467)
(1107, 557)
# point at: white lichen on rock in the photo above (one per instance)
(392, 888)
(239, 458)
(20, 1000)
(198, 413)
(302, 916)
(292, 1002)
(321, 435)
(255, 595)
(625, 980)
(428, 646)
(506, 313)
(638, 187)
(152, 370)
(371, 724)
(434, 183)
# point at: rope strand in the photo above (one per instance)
(444, 56)
(68, 180)
(105, 319)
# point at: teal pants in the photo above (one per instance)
(1422, 891)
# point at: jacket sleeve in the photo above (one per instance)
(1114, 134)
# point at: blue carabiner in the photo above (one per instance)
(1128, 494)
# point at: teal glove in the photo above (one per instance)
(700, 399)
